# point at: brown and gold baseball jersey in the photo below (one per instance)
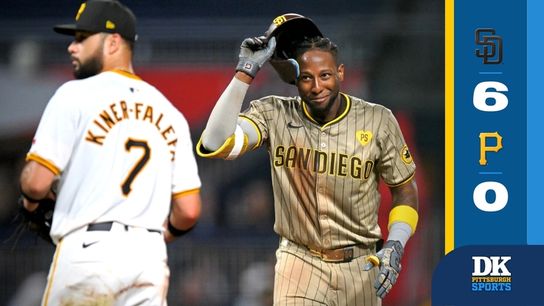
(325, 177)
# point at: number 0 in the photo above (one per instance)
(131, 143)
(501, 196)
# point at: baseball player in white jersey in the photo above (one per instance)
(328, 150)
(123, 158)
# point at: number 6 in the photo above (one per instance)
(481, 95)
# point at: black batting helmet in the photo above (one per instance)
(287, 28)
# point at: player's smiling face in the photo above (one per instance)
(86, 52)
(319, 83)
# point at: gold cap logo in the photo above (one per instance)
(81, 9)
(110, 25)
(364, 137)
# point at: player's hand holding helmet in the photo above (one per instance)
(254, 52)
(388, 259)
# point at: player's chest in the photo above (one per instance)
(344, 138)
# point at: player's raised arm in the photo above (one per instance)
(222, 126)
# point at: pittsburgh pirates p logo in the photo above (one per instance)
(81, 9)
(490, 45)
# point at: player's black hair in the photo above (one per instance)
(320, 43)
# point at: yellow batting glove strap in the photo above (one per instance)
(406, 214)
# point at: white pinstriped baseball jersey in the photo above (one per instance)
(325, 178)
(122, 150)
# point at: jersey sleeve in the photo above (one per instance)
(396, 164)
(185, 175)
(256, 115)
(251, 131)
(54, 139)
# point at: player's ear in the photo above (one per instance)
(113, 43)
(340, 72)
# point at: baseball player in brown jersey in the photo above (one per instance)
(328, 150)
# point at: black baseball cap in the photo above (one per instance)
(96, 16)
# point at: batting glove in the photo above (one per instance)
(388, 259)
(254, 52)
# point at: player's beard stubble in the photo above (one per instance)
(322, 111)
(92, 66)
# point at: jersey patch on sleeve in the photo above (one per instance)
(405, 155)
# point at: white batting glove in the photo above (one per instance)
(388, 259)
(254, 52)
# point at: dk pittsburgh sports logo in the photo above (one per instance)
(491, 273)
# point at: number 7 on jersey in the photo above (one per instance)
(129, 145)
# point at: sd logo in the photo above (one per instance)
(491, 46)
(279, 20)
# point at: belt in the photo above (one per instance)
(107, 226)
(335, 255)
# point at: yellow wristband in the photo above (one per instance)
(404, 213)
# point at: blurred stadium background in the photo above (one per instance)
(394, 55)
